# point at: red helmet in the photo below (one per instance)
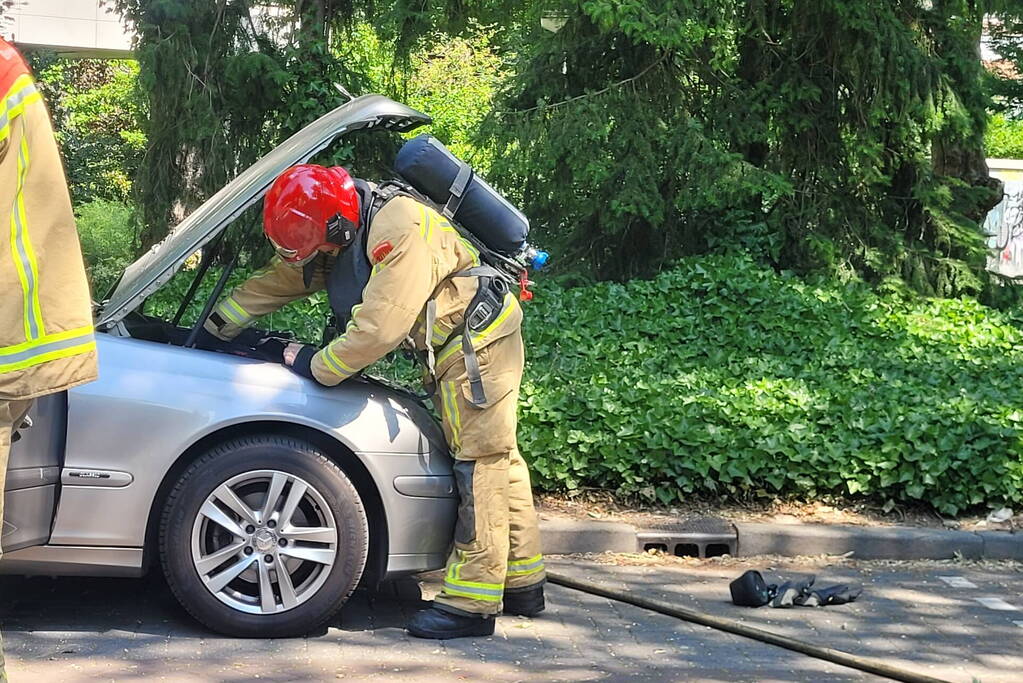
(309, 207)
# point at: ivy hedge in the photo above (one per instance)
(724, 377)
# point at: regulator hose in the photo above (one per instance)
(738, 628)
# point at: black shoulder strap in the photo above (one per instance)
(383, 193)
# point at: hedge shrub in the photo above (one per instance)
(1004, 138)
(723, 377)
(107, 238)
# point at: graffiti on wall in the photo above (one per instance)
(1004, 227)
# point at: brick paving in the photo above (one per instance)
(73, 629)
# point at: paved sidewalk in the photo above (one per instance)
(73, 629)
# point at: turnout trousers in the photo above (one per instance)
(497, 539)
(11, 415)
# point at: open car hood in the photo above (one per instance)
(154, 268)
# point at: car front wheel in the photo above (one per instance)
(263, 537)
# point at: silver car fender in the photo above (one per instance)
(156, 403)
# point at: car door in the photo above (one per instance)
(33, 474)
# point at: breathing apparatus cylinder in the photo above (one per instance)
(464, 196)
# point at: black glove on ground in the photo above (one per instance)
(751, 590)
(792, 593)
(832, 595)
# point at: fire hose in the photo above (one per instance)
(828, 654)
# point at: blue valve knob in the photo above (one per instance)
(540, 259)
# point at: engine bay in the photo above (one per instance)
(251, 343)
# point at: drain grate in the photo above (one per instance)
(697, 537)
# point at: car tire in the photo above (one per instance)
(229, 563)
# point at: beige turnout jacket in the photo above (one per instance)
(416, 254)
(46, 333)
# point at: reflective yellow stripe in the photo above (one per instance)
(451, 570)
(37, 310)
(452, 348)
(446, 226)
(24, 256)
(510, 304)
(21, 94)
(6, 351)
(230, 309)
(426, 227)
(446, 411)
(223, 310)
(352, 325)
(344, 366)
(476, 584)
(531, 560)
(463, 593)
(46, 348)
(523, 567)
(329, 362)
(351, 322)
(450, 401)
(336, 365)
(477, 590)
(440, 335)
(456, 344)
(456, 567)
(242, 313)
(458, 416)
(52, 355)
(525, 572)
(422, 220)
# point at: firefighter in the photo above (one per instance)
(46, 333)
(397, 272)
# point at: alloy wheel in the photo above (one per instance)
(264, 542)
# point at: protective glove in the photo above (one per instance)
(793, 593)
(832, 595)
(303, 362)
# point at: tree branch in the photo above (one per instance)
(595, 93)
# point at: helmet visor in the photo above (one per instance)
(300, 234)
(291, 255)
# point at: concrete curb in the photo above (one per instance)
(1001, 545)
(566, 536)
(563, 536)
(866, 543)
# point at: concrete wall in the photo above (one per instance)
(82, 28)
(1005, 222)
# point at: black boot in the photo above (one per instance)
(526, 603)
(440, 624)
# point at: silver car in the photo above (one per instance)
(265, 497)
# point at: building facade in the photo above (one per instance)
(78, 28)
